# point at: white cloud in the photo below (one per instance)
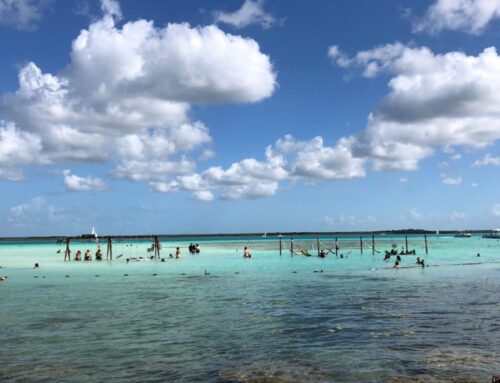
(287, 160)
(153, 170)
(111, 8)
(434, 100)
(470, 16)
(251, 12)
(126, 94)
(487, 160)
(22, 14)
(403, 180)
(203, 195)
(474, 184)
(495, 210)
(33, 212)
(17, 148)
(73, 182)
(250, 191)
(447, 180)
(456, 157)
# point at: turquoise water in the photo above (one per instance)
(271, 318)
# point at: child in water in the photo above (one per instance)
(246, 253)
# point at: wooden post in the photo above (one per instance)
(317, 245)
(157, 247)
(426, 248)
(406, 243)
(281, 246)
(67, 252)
(109, 250)
(373, 244)
(291, 246)
(336, 247)
(361, 243)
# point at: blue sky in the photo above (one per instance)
(248, 116)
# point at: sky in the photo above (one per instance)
(230, 116)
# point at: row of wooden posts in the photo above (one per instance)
(156, 246)
(109, 248)
(360, 245)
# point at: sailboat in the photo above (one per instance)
(264, 235)
(92, 235)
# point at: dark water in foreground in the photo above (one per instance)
(250, 321)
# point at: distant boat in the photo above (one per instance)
(463, 234)
(264, 235)
(495, 234)
(437, 232)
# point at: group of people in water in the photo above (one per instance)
(194, 249)
(397, 264)
(88, 256)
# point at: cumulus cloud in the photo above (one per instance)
(447, 180)
(470, 16)
(203, 196)
(287, 160)
(35, 211)
(434, 100)
(487, 160)
(126, 94)
(17, 148)
(251, 12)
(73, 182)
(22, 14)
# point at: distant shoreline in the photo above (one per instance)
(269, 234)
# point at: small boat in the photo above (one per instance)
(92, 235)
(264, 235)
(463, 234)
(495, 234)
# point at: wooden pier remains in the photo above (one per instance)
(109, 243)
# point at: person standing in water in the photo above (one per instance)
(177, 252)
(246, 253)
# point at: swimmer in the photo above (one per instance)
(418, 261)
(170, 256)
(87, 256)
(163, 259)
(398, 258)
(478, 254)
(177, 252)
(3, 278)
(396, 265)
(422, 263)
(37, 266)
(246, 253)
(78, 256)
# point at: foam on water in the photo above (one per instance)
(267, 319)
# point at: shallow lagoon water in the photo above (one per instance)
(268, 319)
